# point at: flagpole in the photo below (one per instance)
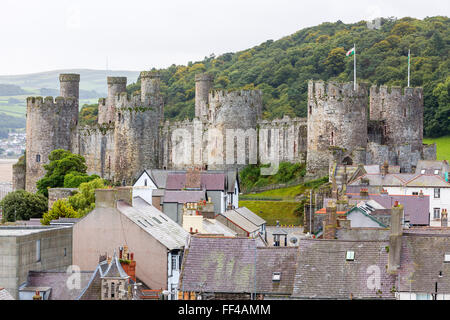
(354, 71)
(409, 64)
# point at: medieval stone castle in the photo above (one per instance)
(131, 134)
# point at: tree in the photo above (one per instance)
(61, 163)
(84, 200)
(23, 205)
(335, 61)
(60, 209)
(74, 179)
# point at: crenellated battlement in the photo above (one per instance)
(245, 95)
(334, 90)
(286, 120)
(39, 102)
(116, 80)
(395, 91)
(204, 77)
(69, 77)
(150, 74)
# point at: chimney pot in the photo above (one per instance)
(396, 203)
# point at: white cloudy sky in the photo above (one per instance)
(135, 35)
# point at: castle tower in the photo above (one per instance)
(337, 123)
(234, 118)
(69, 85)
(106, 107)
(402, 112)
(203, 85)
(136, 135)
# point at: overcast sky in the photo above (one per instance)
(136, 35)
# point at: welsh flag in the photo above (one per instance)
(351, 52)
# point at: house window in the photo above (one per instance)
(447, 257)
(437, 193)
(145, 182)
(437, 213)
(112, 289)
(38, 158)
(436, 171)
(422, 171)
(350, 256)
(174, 262)
(65, 252)
(38, 250)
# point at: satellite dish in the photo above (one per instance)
(293, 240)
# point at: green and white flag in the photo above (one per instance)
(351, 52)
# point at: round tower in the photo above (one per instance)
(150, 82)
(69, 85)
(337, 120)
(402, 113)
(49, 126)
(106, 111)
(203, 85)
(136, 135)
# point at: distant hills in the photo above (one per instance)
(91, 81)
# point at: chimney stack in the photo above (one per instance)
(330, 222)
(37, 296)
(383, 191)
(395, 238)
(444, 218)
(420, 194)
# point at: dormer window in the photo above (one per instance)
(276, 276)
(350, 256)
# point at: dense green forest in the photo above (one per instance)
(282, 68)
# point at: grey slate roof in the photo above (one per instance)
(213, 264)
(154, 222)
(5, 295)
(323, 272)
(213, 226)
(249, 215)
(57, 281)
(422, 258)
(171, 196)
(416, 208)
(227, 265)
(276, 259)
(240, 220)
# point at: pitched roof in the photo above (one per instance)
(185, 196)
(324, 273)
(223, 264)
(57, 281)
(155, 223)
(250, 215)
(240, 220)
(276, 259)
(428, 180)
(215, 264)
(211, 179)
(416, 208)
(422, 259)
(213, 226)
(5, 295)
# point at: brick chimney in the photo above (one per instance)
(330, 222)
(37, 296)
(383, 191)
(395, 238)
(129, 265)
(307, 217)
(444, 218)
(107, 198)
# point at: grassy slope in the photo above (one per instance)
(443, 146)
(271, 211)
